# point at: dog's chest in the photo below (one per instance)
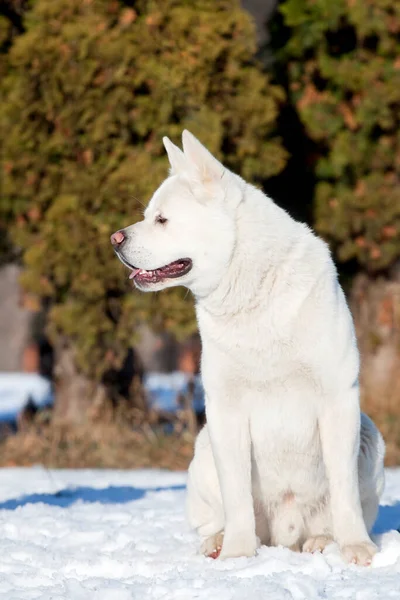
(254, 349)
(286, 448)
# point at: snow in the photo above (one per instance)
(163, 391)
(105, 535)
(18, 389)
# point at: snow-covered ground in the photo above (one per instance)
(163, 391)
(120, 535)
(18, 389)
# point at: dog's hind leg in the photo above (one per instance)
(371, 475)
(371, 483)
(207, 519)
(318, 529)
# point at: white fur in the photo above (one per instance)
(280, 457)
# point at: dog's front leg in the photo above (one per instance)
(231, 446)
(339, 426)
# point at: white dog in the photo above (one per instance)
(286, 455)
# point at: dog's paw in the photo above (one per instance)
(359, 554)
(239, 546)
(317, 543)
(211, 547)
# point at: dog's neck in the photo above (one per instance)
(263, 229)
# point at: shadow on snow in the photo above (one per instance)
(68, 496)
(388, 517)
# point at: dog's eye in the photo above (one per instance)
(160, 219)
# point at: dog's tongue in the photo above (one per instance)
(134, 273)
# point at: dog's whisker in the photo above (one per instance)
(139, 201)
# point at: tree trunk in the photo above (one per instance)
(375, 304)
(78, 398)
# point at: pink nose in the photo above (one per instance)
(117, 238)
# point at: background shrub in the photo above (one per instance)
(343, 64)
(91, 88)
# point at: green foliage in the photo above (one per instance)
(9, 21)
(92, 86)
(344, 74)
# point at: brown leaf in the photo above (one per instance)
(360, 188)
(375, 253)
(100, 27)
(127, 17)
(87, 157)
(393, 24)
(360, 241)
(310, 96)
(348, 116)
(65, 50)
(389, 231)
(34, 214)
(31, 178)
(153, 20)
(113, 6)
(385, 314)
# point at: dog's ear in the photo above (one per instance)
(206, 165)
(177, 159)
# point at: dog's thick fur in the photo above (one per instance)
(286, 455)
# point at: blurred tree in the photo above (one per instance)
(91, 88)
(343, 61)
(343, 64)
(10, 26)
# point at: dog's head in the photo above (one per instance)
(187, 236)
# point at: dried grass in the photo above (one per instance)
(96, 445)
(117, 443)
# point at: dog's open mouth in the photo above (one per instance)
(178, 268)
